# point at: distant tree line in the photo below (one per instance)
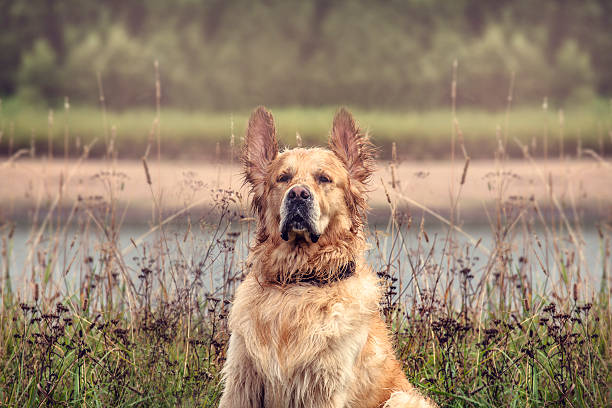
(221, 54)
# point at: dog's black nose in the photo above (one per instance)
(299, 193)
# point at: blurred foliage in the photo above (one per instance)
(233, 54)
(217, 135)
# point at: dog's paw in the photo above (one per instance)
(403, 399)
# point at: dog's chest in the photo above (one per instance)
(302, 335)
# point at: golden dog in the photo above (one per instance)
(305, 324)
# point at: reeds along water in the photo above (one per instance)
(94, 315)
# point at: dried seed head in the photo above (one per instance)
(465, 169)
(146, 169)
(575, 292)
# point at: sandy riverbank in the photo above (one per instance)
(28, 184)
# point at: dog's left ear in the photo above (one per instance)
(352, 147)
(260, 147)
(356, 152)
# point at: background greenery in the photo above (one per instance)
(226, 55)
(418, 135)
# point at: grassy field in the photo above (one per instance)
(417, 134)
(87, 321)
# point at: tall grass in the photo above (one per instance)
(88, 321)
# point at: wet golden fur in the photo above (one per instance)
(297, 344)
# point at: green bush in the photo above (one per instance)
(39, 76)
(572, 76)
(124, 64)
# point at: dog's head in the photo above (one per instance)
(304, 195)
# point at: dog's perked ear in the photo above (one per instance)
(356, 151)
(352, 147)
(259, 149)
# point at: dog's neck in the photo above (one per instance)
(332, 259)
(320, 277)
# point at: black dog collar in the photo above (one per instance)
(319, 279)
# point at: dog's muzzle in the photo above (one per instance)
(298, 213)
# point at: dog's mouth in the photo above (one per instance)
(296, 223)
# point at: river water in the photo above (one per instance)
(404, 252)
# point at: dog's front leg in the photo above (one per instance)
(408, 399)
(243, 386)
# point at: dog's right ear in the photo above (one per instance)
(259, 149)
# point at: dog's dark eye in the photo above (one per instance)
(324, 179)
(284, 178)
